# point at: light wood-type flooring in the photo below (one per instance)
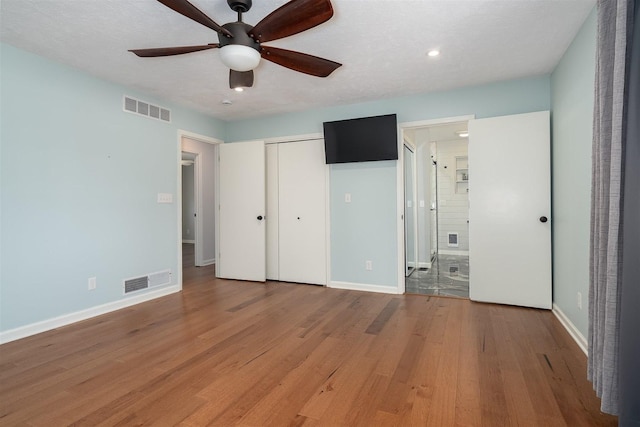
(228, 353)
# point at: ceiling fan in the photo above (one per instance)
(241, 44)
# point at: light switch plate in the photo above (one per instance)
(347, 197)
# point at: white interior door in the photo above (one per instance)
(302, 212)
(241, 252)
(510, 210)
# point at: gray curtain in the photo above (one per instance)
(615, 25)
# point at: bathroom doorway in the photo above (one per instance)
(442, 211)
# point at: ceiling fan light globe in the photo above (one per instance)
(239, 58)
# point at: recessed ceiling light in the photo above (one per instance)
(433, 53)
(226, 102)
(238, 89)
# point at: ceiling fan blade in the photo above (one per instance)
(168, 51)
(240, 78)
(301, 62)
(185, 8)
(292, 18)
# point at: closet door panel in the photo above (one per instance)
(272, 212)
(302, 216)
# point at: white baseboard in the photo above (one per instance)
(67, 319)
(193, 242)
(207, 262)
(448, 252)
(571, 328)
(363, 287)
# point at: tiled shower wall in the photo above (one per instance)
(453, 212)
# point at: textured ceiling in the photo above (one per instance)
(382, 45)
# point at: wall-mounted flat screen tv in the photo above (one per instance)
(361, 140)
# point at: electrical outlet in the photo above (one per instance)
(165, 198)
(92, 283)
(368, 265)
(580, 300)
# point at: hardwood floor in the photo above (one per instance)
(235, 353)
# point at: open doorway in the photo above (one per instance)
(189, 212)
(442, 215)
(197, 208)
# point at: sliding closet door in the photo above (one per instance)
(302, 212)
(241, 252)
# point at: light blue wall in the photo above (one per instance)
(79, 182)
(498, 99)
(572, 116)
(366, 228)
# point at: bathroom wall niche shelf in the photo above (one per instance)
(462, 174)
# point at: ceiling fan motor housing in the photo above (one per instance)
(239, 5)
(240, 32)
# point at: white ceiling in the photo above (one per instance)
(382, 45)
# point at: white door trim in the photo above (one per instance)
(198, 185)
(432, 122)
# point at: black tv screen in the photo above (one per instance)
(361, 140)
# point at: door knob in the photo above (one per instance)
(259, 217)
(543, 219)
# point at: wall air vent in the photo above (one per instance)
(142, 108)
(452, 239)
(145, 282)
(136, 284)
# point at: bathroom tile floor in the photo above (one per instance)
(448, 275)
